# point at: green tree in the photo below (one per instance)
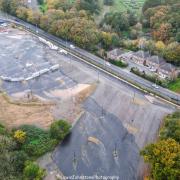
(171, 128)
(108, 2)
(7, 170)
(18, 160)
(60, 129)
(91, 6)
(119, 21)
(33, 172)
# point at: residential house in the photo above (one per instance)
(154, 62)
(167, 70)
(139, 57)
(115, 54)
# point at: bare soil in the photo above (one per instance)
(13, 114)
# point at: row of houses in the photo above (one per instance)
(154, 63)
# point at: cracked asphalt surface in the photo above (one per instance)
(119, 116)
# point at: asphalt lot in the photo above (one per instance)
(22, 56)
(116, 114)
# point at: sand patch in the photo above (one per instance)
(71, 100)
(93, 140)
(130, 128)
(67, 93)
(14, 114)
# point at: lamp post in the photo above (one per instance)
(115, 152)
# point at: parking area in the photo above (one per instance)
(25, 64)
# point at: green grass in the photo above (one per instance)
(123, 5)
(43, 7)
(119, 63)
(175, 85)
(120, 6)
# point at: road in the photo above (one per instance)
(124, 74)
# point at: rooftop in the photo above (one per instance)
(168, 67)
(156, 60)
(116, 52)
(142, 54)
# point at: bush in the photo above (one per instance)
(59, 129)
(20, 136)
(33, 172)
(38, 141)
(118, 63)
(3, 130)
(18, 160)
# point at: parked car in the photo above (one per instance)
(72, 46)
(155, 86)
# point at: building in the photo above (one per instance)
(140, 57)
(167, 70)
(154, 62)
(115, 54)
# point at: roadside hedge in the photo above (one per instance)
(154, 79)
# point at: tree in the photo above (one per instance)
(164, 157)
(106, 39)
(18, 160)
(163, 33)
(108, 2)
(22, 12)
(172, 53)
(160, 46)
(91, 6)
(59, 129)
(33, 172)
(150, 4)
(171, 128)
(132, 18)
(118, 21)
(33, 16)
(59, 4)
(7, 170)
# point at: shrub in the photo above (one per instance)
(38, 141)
(33, 172)
(118, 63)
(3, 130)
(20, 136)
(18, 160)
(59, 129)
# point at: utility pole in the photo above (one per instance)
(74, 162)
(115, 152)
(134, 94)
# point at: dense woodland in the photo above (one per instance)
(164, 155)
(156, 30)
